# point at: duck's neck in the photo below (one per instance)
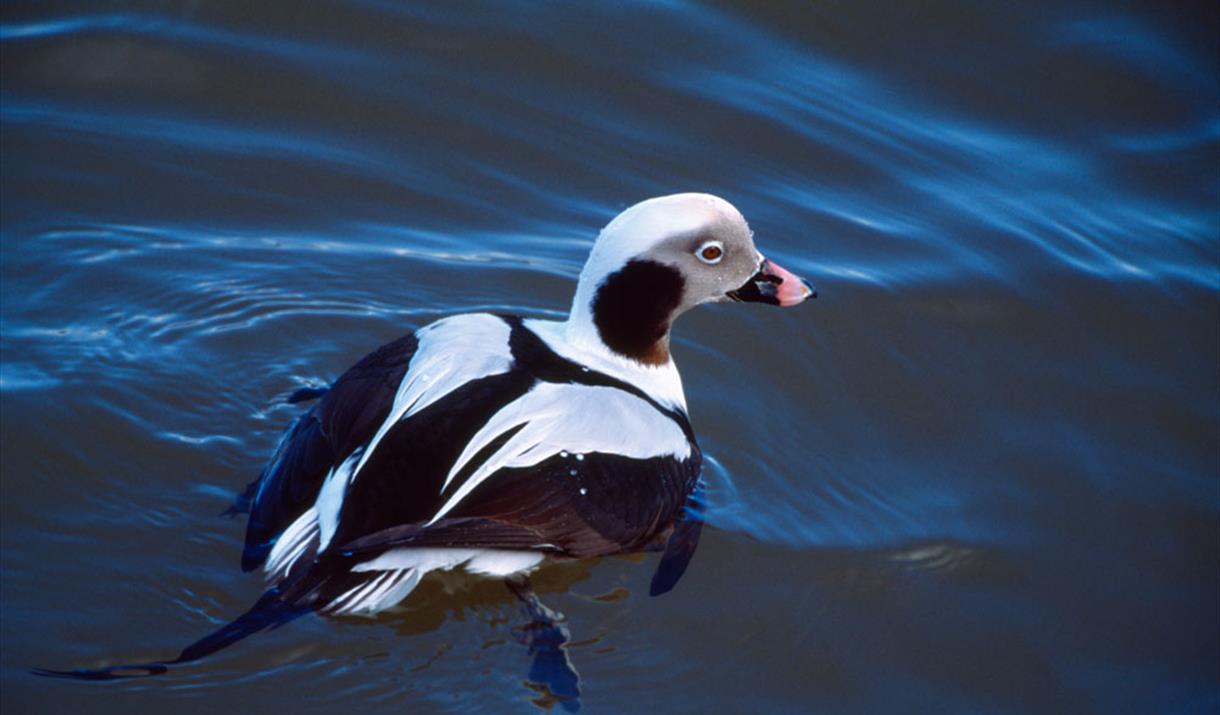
(628, 312)
(577, 341)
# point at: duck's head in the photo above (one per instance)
(662, 257)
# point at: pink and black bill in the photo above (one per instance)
(774, 285)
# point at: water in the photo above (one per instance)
(980, 474)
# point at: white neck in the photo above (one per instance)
(579, 329)
(577, 340)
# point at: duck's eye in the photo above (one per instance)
(710, 252)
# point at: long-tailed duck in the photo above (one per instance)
(492, 442)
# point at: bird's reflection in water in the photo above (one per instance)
(551, 679)
(546, 637)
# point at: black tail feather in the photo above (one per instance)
(270, 611)
(116, 672)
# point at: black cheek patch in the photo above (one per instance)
(633, 307)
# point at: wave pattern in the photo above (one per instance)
(1004, 404)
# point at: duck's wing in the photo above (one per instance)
(347, 416)
(524, 463)
(419, 380)
(615, 506)
(518, 515)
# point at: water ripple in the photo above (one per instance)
(991, 439)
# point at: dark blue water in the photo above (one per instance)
(980, 474)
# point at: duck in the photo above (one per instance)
(493, 443)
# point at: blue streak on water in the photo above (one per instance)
(1200, 137)
(158, 29)
(217, 138)
(1126, 40)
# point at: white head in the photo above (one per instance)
(662, 257)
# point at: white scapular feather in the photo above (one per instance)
(565, 417)
(451, 352)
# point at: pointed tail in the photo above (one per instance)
(270, 611)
